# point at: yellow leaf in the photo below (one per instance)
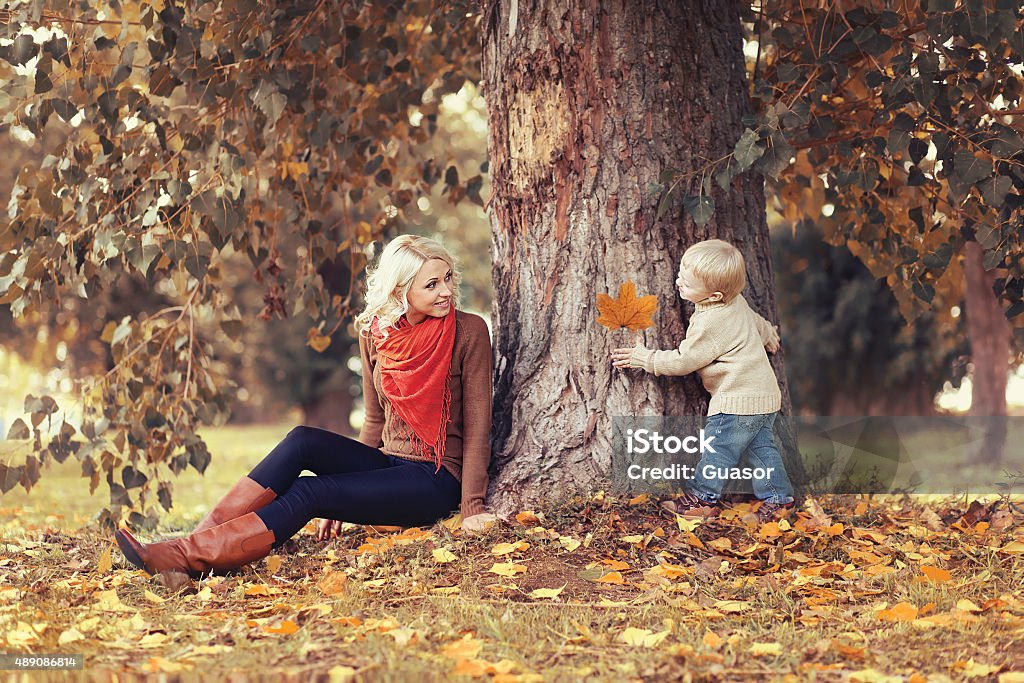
(508, 569)
(615, 564)
(626, 310)
(506, 548)
(765, 649)
(445, 590)
(568, 543)
(611, 577)
(723, 543)
(442, 555)
(466, 648)
(1013, 548)
(528, 518)
(936, 574)
(713, 640)
(109, 602)
(770, 530)
(287, 628)
(375, 583)
(257, 589)
(965, 605)
(341, 674)
(153, 597)
(317, 341)
(686, 524)
(641, 637)
(669, 570)
(332, 583)
(903, 611)
(539, 593)
(104, 564)
(836, 529)
(274, 563)
(732, 605)
(70, 636)
(640, 500)
(861, 508)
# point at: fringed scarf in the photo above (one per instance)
(415, 364)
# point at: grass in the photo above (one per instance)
(721, 600)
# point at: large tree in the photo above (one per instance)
(591, 107)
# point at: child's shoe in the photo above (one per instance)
(690, 506)
(773, 512)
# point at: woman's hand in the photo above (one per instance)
(327, 528)
(479, 522)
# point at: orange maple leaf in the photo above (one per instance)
(627, 310)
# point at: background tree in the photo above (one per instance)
(903, 124)
(850, 350)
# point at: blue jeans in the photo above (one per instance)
(354, 483)
(734, 436)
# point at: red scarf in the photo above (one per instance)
(415, 363)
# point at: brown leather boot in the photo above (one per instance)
(245, 496)
(221, 548)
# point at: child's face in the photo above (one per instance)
(692, 289)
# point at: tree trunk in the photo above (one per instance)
(988, 331)
(588, 103)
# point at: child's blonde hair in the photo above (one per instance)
(719, 266)
(387, 284)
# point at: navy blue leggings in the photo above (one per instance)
(353, 483)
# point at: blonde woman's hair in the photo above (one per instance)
(719, 266)
(388, 283)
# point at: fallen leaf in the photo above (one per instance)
(332, 583)
(506, 548)
(508, 569)
(287, 628)
(713, 640)
(274, 563)
(568, 543)
(626, 310)
(936, 574)
(765, 649)
(903, 611)
(528, 518)
(611, 577)
(443, 555)
(466, 648)
(641, 637)
(540, 593)
(105, 562)
(732, 605)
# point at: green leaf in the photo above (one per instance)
(995, 189)
(967, 170)
(747, 150)
(700, 208)
(992, 259)
(777, 155)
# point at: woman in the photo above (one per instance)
(423, 449)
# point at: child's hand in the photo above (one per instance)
(773, 341)
(622, 357)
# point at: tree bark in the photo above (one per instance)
(588, 103)
(988, 331)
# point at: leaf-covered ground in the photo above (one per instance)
(605, 589)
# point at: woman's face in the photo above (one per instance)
(431, 292)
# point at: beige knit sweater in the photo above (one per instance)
(725, 344)
(467, 451)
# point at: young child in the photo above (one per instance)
(725, 343)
